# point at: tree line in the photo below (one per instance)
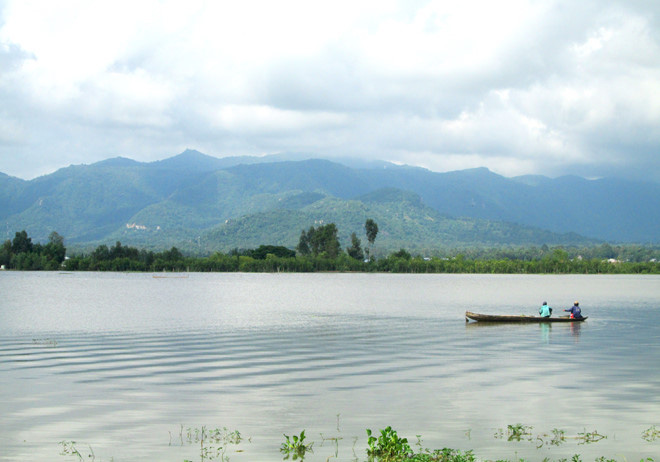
(324, 241)
(319, 249)
(22, 254)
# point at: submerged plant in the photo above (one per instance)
(518, 431)
(590, 437)
(515, 432)
(651, 434)
(212, 442)
(69, 449)
(444, 455)
(558, 437)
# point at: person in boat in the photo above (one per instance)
(545, 311)
(576, 312)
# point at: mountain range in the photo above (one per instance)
(202, 203)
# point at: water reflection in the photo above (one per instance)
(545, 332)
(575, 331)
(110, 359)
(522, 329)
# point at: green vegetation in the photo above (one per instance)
(355, 250)
(319, 250)
(321, 241)
(229, 203)
(520, 432)
(20, 253)
(69, 449)
(651, 434)
(517, 432)
(371, 228)
(295, 446)
(387, 447)
(212, 443)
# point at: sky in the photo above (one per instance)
(518, 86)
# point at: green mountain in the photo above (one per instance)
(202, 203)
(403, 219)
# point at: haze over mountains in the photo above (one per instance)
(201, 203)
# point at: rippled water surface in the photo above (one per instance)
(120, 363)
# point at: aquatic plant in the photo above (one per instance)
(515, 432)
(388, 446)
(212, 442)
(69, 449)
(651, 434)
(444, 455)
(590, 437)
(558, 437)
(555, 438)
(518, 431)
(295, 446)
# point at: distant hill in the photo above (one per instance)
(200, 202)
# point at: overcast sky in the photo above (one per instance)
(521, 87)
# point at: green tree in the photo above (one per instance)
(402, 254)
(173, 255)
(320, 241)
(303, 244)
(101, 253)
(371, 229)
(605, 251)
(21, 243)
(327, 237)
(5, 253)
(54, 250)
(263, 251)
(355, 250)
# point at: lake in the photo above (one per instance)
(124, 364)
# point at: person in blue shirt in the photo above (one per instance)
(576, 312)
(545, 311)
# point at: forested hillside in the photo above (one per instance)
(204, 203)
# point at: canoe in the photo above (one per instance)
(469, 315)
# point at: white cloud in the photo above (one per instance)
(266, 119)
(519, 86)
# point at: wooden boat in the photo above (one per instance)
(469, 315)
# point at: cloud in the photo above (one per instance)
(519, 86)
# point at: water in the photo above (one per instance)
(120, 362)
